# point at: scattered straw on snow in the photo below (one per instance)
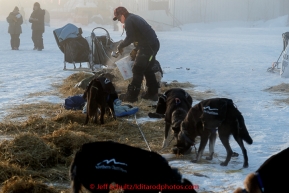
(69, 141)
(29, 150)
(282, 88)
(47, 135)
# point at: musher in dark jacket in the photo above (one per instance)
(139, 32)
(37, 20)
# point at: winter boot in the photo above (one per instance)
(131, 94)
(151, 94)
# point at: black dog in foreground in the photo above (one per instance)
(100, 93)
(174, 105)
(97, 165)
(269, 178)
(205, 119)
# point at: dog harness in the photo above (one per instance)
(107, 98)
(178, 101)
(164, 97)
(214, 130)
(94, 87)
(259, 182)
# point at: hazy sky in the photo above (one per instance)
(6, 6)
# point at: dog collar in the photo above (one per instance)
(94, 87)
(244, 191)
(259, 182)
(178, 101)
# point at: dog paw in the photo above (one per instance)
(223, 164)
(235, 154)
(245, 165)
(209, 158)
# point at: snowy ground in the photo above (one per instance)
(228, 58)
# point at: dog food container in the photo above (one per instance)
(125, 67)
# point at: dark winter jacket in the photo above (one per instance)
(37, 20)
(14, 23)
(138, 30)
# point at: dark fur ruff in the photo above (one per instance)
(202, 121)
(102, 163)
(174, 104)
(273, 174)
(99, 96)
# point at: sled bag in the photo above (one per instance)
(76, 102)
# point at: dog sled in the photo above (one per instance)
(282, 67)
(93, 50)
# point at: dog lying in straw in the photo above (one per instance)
(100, 93)
(99, 164)
(268, 178)
(173, 105)
(205, 119)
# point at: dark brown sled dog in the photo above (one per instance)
(208, 117)
(100, 93)
(173, 105)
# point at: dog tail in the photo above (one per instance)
(243, 129)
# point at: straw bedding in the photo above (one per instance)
(68, 141)
(18, 184)
(47, 136)
(9, 170)
(28, 150)
(283, 89)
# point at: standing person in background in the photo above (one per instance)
(37, 20)
(15, 21)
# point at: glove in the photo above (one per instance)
(18, 15)
(120, 49)
(133, 54)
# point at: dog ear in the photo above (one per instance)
(189, 98)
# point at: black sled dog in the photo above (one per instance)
(99, 164)
(205, 119)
